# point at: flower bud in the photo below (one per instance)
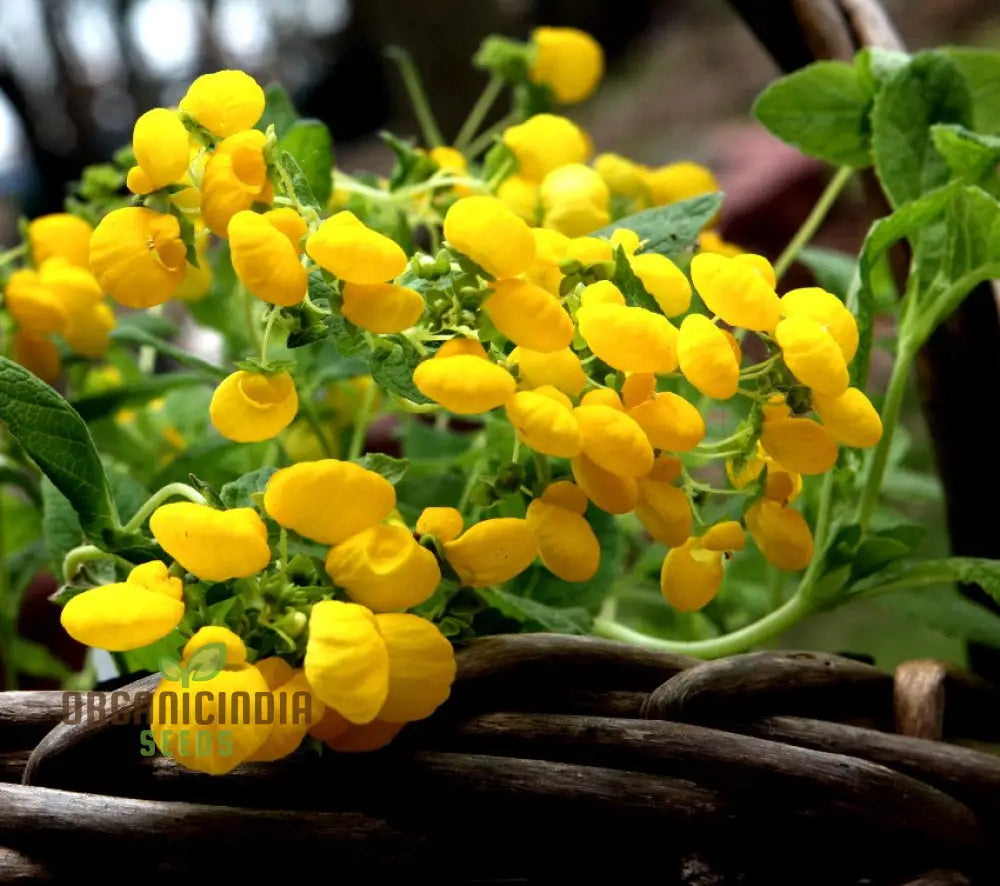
(567, 60)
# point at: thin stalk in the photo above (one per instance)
(481, 142)
(480, 109)
(813, 221)
(418, 96)
(12, 253)
(267, 334)
(361, 420)
(316, 426)
(251, 323)
(75, 558)
(157, 498)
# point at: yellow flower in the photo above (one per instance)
(665, 512)
(449, 159)
(197, 280)
(575, 200)
(60, 235)
(213, 545)
(138, 257)
(589, 250)
(421, 667)
(666, 468)
(603, 292)
(492, 551)
(464, 383)
(622, 176)
(812, 303)
(550, 250)
(34, 307)
(520, 196)
(851, 418)
(610, 492)
(813, 355)
(265, 258)
(781, 484)
(382, 307)
(664, 281)
(444, 524)
(670, 422)
(37, 354)
(199, 722)
(800, 444)
(251, 406)
(225, 103)
(691, 576)
(567, 545)
(287, 734)
(545, 142)
(160, 145)
(711, 241)
(602, 397)
(488, 232)
(725, 536)
(355, 253)
(707, 358)
(127, 615)
(528, 315)
(567, 60)
(561, 369)
(614, 441)
(782, 535)
(637, 388)
(760, 264)
(544, 421)
(736, 291)
(629, 339)
(384, 568)
(89, 320)
(340, 734)
(328, 500)
(235, 178)
(236, 651)
(680, 181)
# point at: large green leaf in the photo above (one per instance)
(392, 368)
(947, 611)
(669, 229)
(981, 69)
(279, 110)
(535, 616)
(914, 574)
(309, 142)
(822, 109)
(53, 434)
(237, 493)
(928, 90)
(971, 157)
(61, 530)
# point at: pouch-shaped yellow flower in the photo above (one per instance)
(851, 418)
(543, 420)
(492, 551)
(382, 307)
(813, 355)
(706, 357)
(800, 444)
(680, 181)
(37, 354)
(782, 535)
(603, 292)
(691, 576)
(637, 388)
(303, 710)
(725, 536)
(235, 178)
(528, 315)
(589, 250)
(614, 441)
(265, 258)
(225, 102)
(138, 257)
(33, 306)
(89, 320)
(328, 500)
(211, 544)
(487, 231)
(610, 492)
(545, 142)
(813, 303)
(463, 383)
(623, 176)
(665, 512)
(736, 292)
(669, 422)
(251, 406)
(421, 667)
(355, 253)
(629, 339)
(441, 522)
(520, 196)
(384, 568)
(160, 145)
(575, 200)
(60, 235)
(567, 60)
(567, 545)
(561, 369)
(550, 250)
(664, 281)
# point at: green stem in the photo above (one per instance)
(12, 253)
(770, 626)
(75, 558)
(147, 353)
(482, 141)
(361, 420)
(890, 417)
(267, 334)
(814, 220)
(316, 426)
(479, 111)
(160, 496)
(248, 305)
(418, 96)
(543, 470)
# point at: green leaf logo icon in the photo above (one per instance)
(170, 669)
(207, 661)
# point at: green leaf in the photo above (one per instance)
(879, 549)
(970, 156)
(392, 368)
(309, 142)
(411, 165)
(928, 90)
(237, 494)
(821, 109)
(832, 268)
(136, 393)
(35, 660)
(981, 69)
(148, 658)
(535, 616)
(61, 528)
(909, 574)
(56, 438)
(393, 469)
(875, 66)
(668, 229)
(948, 611)
(136, 335)
(278, 110)
(302, 191)
(631, 287)
(207, 661)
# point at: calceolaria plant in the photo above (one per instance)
(510, 387)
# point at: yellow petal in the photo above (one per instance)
(782, 535)
(265, 260)
(443, 523)
(725, 536)
(354, 252)
(614, 441)
(566, 542)
(800, 444)
(120, 616)
(690, 577)
(488, 232)
(383, 307)
(706, 357)
(250, 406)
(813, 355)
(544, 424)
(670, 422)
(567, 60)
(665, 512)
(736, 292)
(813, 303)
(664, 281)
(561, 369)
(421, 667)
(60, 234)
(610, 492)
(529, 316)
(160, 145)
(225, 102)
(629, 339)
(464, 384)
(492, 552)
(545, 142)
(851, 418)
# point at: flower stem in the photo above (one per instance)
(267, 334)
(480, 109)
(482, 141)
(418, 96)
(770, 626)
(813, 221)
(160, 496)
(361, 420)
(12, 253)
(75, 558)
